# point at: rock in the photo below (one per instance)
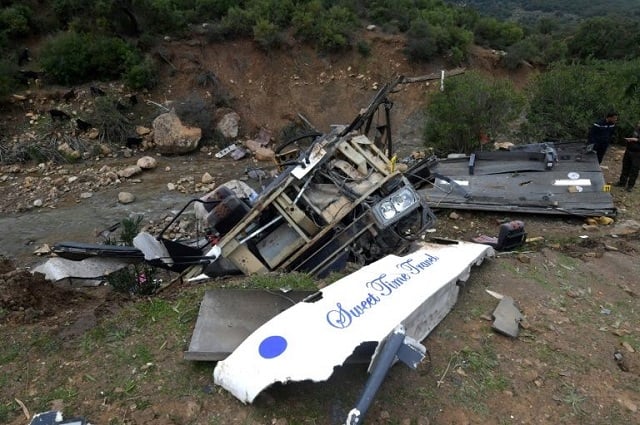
(104, 149)
(126, 197)
(252, 145)
(454, 216)
(130, 171)
(147, 163)
(171, 137)
(626, 227)
(171, 186)
(69, 152)
(206, 178)
(265, 154)
(43, 250)
(228, 125)
(142, 131)
(628, 404)
(86, 195)
(93, 134)
(37, 203)
(605, 221)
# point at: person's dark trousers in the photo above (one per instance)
(630, 169)
(600, 151)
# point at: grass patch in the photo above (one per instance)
(46, 343)
(290, 281)
(155, 310)
(480, 377)
(107, 333)
(5, 410)
(9, 353)
(574, 399)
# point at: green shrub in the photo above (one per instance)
(330, 29)
(213, 9)
(237, 22)
(160, 16)
(421, 42)
(566, 99)
(469, 107)
(15, 20)
(363, 48)
(110, 57)
(72, 58)
(267, 34)
(142, 75)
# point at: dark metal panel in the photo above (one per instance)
(511, 181)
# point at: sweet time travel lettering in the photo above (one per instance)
(378, 289)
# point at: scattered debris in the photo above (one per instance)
(511, 236)
(226, 150)
(507, 317)
(54, 417)
(621, 361)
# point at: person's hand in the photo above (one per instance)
(631, 139)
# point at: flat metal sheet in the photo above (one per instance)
(228, 316)
(502, 184)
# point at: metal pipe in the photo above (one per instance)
(379, 370)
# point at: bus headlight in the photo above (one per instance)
(395, 206)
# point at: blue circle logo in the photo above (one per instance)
(272, 347)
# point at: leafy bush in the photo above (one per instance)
(421, 41)
(267, 34)
(537, 49)
(71, 58)
(15, 20)
(329, 30)
(143, 75)
(426, 40)
(490, 32)
(161, 16)
(392, 13)
(606, 38)
(237, 22)
(566, 99)
(470, 106)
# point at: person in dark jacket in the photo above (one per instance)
(630, 161)
(601, 134)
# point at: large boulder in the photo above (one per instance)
(171, 137)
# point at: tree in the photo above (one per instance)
(470, 108)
